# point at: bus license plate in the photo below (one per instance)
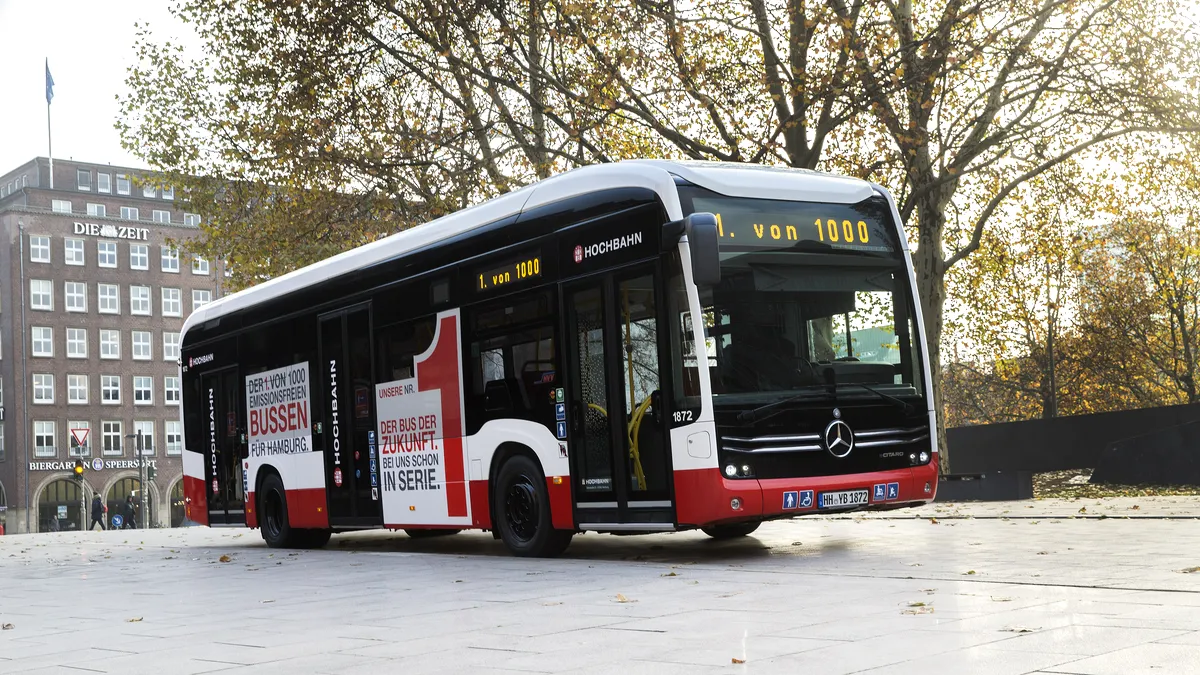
(834, 500)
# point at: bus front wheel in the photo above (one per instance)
(277, 531)
(730, 531)
(522, 511)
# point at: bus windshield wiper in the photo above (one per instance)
(907, 407)
(753, 415)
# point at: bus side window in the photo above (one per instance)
(398, 344)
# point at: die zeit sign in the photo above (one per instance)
(113, 231)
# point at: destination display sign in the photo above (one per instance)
(520, 270)
(764, 224)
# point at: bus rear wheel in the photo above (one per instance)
(730, 531)
(522, 511)
(277, 531)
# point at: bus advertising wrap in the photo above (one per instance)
(277, 412)
(420, 431)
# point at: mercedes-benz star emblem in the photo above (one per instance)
(839, 439)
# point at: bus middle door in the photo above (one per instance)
(225, 447)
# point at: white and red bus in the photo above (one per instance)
(643, 346)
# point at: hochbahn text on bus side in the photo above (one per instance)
(643, 346)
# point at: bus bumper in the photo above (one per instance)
(705, 497)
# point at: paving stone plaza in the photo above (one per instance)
(1081, 587)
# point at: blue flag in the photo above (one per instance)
(49, 83)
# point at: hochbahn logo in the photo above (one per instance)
(600, 248)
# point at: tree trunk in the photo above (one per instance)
(929, 263)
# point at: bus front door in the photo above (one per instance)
(620, 458)
(347, 376)
(225, 448)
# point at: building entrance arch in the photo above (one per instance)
(58, 506)
(178, 513)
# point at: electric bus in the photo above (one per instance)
(642, 346)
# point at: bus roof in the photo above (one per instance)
(735, 180)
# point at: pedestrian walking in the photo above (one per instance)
(97, 513)
(130, 514)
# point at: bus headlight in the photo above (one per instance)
(745, 469)
(924, 457)
(730, 471)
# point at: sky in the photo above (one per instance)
(90, 45)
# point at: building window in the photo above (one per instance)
(170, 259)
(199, 265)
(76, 430)
(141, 345)
(77, 389)
(143, 390)
(41, 294)
(106, 252)
(170, 346)
(83, 179)
(77, 343)
(108, 298)
(160, 216)
(200, 298)
(170, 389)
(191, 219)
(173, 430)
(43, 439)
(110, 389)
(168, 192)
(129, 212)
(73, 251)
(146, 430)
(139, 257)
(96, 210)
(171, 304)
(122, 184)
(110, 433)
(39, 249)
(150, 191)
(110, 344)
(139, 300)
(103, 182)
(43, 341)
(43, 388)
(76, 296)
(60, 205)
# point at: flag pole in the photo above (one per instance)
(49, 139)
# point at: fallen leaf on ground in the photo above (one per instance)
(7, 626)
(933, 521)
(737, 660)
(1017, 629)
(995, 599)
(224, 558)
(969, 572)
(133, 620)
(916, 604)
(919, 610)
(622, 598)
(669, 574)
(1190, 570)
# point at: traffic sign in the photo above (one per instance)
(80, 436)
(117, 521)
(97, 464)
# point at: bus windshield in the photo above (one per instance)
(812, 297)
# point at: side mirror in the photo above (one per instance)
(701, 231)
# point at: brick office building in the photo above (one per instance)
(92, 300)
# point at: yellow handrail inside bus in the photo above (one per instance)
(635, 423)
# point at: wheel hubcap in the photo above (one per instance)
(521, 509)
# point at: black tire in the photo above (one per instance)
(522, 511)
(315, 538)
(730, 531)
(426, 534)
(273, 515)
